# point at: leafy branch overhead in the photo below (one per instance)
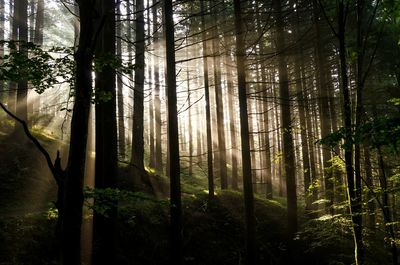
(46, 68)
(43, 69)
(376, 133)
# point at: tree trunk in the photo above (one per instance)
(244, 133)
(207, 101)
(21, 18)
(138, 104)
(348, 152)
(310, 138)
(104, 225)
(303, 134)
(2, 31)
(152, 159)
(157, 101)
(173, 141)
(190, 140)
(386, 208)
(120, 97)
(369, 181)
(12, 104)
(73, 196)
(323, 104)
(265, 145)
(287, 138)
(39, 23)
(232, 117)
(220, 109)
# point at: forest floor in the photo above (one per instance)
(213, 231)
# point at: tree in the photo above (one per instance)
(244, 135)
(219, 107)
(39, 23)
(121, 111)
(71, 211)
(21, 20)
(207, 102)
(323, 102)
(138, 105)
(287, 138)
(157, 101)
(106, 133)
(173, 139)
(2, 31)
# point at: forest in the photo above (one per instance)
(199, 132)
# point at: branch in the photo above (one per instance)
(327, 19)
(35, 141)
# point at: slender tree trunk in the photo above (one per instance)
(303, 134)
(120, 96)
(207, 101)
(31, 20)
(219, 109)
(199, 137)
(339, 192)
(357, 218)
(12, 104)
(310, 139)
(287, 138)
(138, 104)
(190, 140)
(348, 152)
(2, 36)
(39, 23)
(266, 155)
(278, 142)
(152, 159)
(73, 196)
(38, 40)
(244, 132)
(323, 103)
(232, 117)
(157, 101)
(21, 17)
(173, 141)
(369, 181)
(252, 140)
(386, 208)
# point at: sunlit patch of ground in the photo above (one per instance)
(27, 185)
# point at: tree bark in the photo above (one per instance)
(287, 138)
(106, 165)
(157, 101)
(73, 196)
(138, 104)
(323, 104)
(173, 141)
(2, 31)
(244, 133)
(207, 102)
(120, 96)
(152, 159)
(39, 23)
(348, 142)
(21, 19)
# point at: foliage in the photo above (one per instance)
(27, 239)
(113, 62)
(379, 132)
(105, 199)
(47, 68)
(327, 240)
(43, 69)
